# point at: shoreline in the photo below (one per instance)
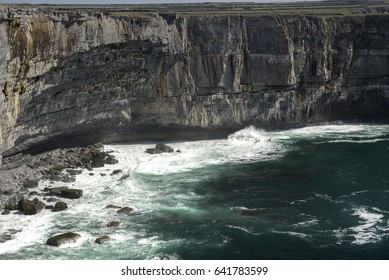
(21, 174)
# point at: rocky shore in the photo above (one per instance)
(29, 184)
(21, 174)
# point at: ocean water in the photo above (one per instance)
(318, 192)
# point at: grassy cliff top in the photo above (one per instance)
(323, 8)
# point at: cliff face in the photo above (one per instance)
(70, 77)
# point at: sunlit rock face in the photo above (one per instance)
(70, 78)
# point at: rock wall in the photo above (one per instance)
(70, 78)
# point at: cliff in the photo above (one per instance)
(71, 77)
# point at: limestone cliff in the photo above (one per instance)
(69, 77)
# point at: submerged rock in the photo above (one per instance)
(58, 240)
(125, 210)
(103, 239)
(250, 213)
(113, 224)
(113, 206)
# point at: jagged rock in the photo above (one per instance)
(125, 210)
(103, 239)
(113, 224)
(58, 240)
(71, 193)
(30, 207)
(30, 184)
(60, 206)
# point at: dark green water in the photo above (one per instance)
(321, 193)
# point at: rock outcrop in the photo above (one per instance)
(58, 240)
(70, 78)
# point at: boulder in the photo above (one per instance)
(60, 206)
(58, 240)
(5, 212)
(52, 199)
(113, 224)
(74, 172)
(28, 184)
(153, 151)
(160, 148)
(11, 207)
(125, 210)
(103, 239)
(57, 190)
(164, 148)
(71, 193)
(111, 160)
(30, 207)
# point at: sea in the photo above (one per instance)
(319, 192)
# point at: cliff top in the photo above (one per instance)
(322, 8)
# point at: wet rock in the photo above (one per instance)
(153, 151)
(30, 207)
(113, 224)
(5, 212)
(33, 193)
(52, 199)
(71, 193)
(74, 172)
(58, 240)
(57, 190)
(164, 148)
(125, 210)
(67, 179)
(160, 148)
(28, 184)
(116, 172)
(111, 160)
(49, 207)
(113, 206)
(11, 207)
(60, 206)
(103, 239)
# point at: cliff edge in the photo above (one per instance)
(70, 77)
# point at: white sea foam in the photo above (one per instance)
(369, 229)
(243, 229)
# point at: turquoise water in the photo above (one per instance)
(313, 193)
